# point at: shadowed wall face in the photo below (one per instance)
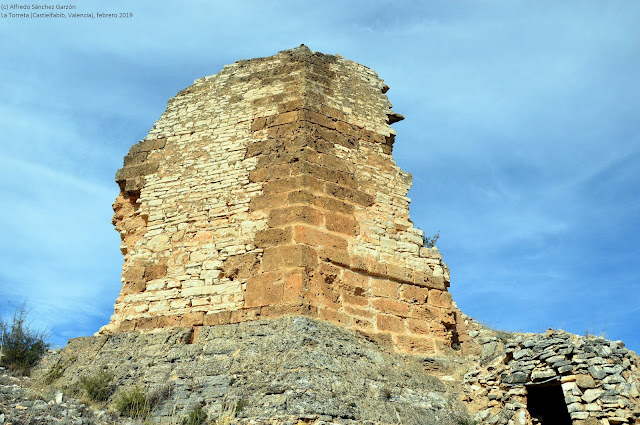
(270, 189)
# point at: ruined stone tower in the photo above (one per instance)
(269, 189)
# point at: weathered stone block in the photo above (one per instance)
(414, 294)
(264, 289)
(395, 307)
(281, 257)
(386, 322)
(381, 287)
(438, 298)
(317, 237)
(295, 214)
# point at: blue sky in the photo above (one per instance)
(521, 133)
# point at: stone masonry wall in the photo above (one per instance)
(599, 379)
(269, 189)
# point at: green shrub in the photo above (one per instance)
(430, 241)
(57, 370)
(21, 347)
(133, 403)
(98, 387)
(158, 395)
(195, 417)
(240, 405)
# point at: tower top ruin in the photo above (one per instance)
(270, 189)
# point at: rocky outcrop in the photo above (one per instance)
(21, 404)
(280, 371)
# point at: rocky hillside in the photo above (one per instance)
(282, 371)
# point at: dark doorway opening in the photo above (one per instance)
(546, 404)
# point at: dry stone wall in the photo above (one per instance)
(597, 380)
(270, 189)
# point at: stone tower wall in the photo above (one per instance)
(270, 189)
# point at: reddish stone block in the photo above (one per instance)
(350, 297)
(346, 128)
(292, 105)
(440, 332)
(437, 282)
(414, 294)
(284, 118)
(418, 326)
(359, 263)
(274, 237)
(395, 307)
(376, 268)
(244, 315)
(313, 236)
(294, 285)
(296, 309)
(335, 317)
(439, 298)
(287, 256)
(421, 278)
(268, 202)
(385, 322)
(133, 273)
(322, 290)
(335, 163)
(415, 344)
(341, 223)
(355, 280)
(264, 289)
(241, 266)
(401, 274)
(334, 256)
(295, 214)
(363, 325)
(156, 271)
(126, 326)
(381, 287)
(301, 197)
(192, 319)
(172, 321)
(317, 118)
(350, 195)
(283, 185)
(258, 123)
(335, 114)
(146, 323)
(359, 312)
(219, 318)
(425, 312)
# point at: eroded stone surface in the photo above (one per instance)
(269, 189)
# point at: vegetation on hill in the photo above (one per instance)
(21, 346)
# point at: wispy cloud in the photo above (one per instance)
(521, 133)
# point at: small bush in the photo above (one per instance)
(195, 417)
(21, 347)
(57, 370)
(158, 395)
(98, 387)
(133, 403)
(430, 241)
(240, 405)
(387, 393)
